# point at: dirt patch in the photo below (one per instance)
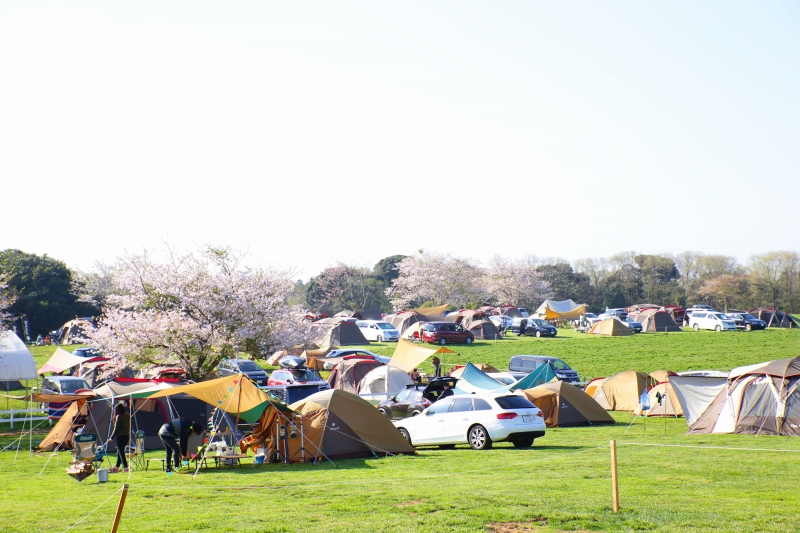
(409, 503)
(534, 526)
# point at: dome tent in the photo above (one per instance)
(16, 361)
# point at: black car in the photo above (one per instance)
(231, 367)
(746, 321)
(529, 363)
(534, 326)
(412, 400)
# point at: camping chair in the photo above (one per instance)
(85, 455)
(135, 455)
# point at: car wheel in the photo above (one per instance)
(442, 341)
(447, 446)
(405, 435)
(379, 339)
(384, 413)
(748, 327)
(538, 333)
(415, 413)
(478, 438)
(522, 443)
(468, 340)
(696, 327)
(718, 328)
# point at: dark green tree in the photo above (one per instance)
(567, 284)
(386, 271)
(658, 278)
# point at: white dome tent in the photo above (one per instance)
(383, 382)
(16, 361)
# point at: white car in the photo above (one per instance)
(713, 320)
(502, 321)
(378, 330)
(477, 420)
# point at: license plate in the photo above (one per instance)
(527, 419)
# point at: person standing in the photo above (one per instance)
(437, 366)
(121, 435)
(175, 436)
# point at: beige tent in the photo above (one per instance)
(349, 372)
(621, 391)
(563, 309)
(414, 331)
(480, 366)
(563, 404)
(60, 437)
(669, 405)
(611, 327)
(334, 424)
(662, 376)
(657, 321)
(430, 311)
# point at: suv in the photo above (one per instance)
(533, 326)
(234, 367)
(747, 322)
(711, 320)
(635, 327)
(446, 332)
(608, 313)
(378, 330)
(529, 363)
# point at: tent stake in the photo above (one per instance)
(614, 478)
(118, 517)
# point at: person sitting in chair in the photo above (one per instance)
(175, 431)
(446, 392)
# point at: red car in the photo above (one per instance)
(446, 333)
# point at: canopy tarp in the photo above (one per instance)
(430, 311)
(233, 394)
(61, 360)
(408, 355)
(474, 379)
(563, 309)
(16, 361)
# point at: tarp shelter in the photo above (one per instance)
(564, 309)
(334, 332)
(347, 374)
(667, 405)
(657, 321)
(473, 379)
(696, 393)
(563, 405)
(16, 361)
(621, 391)
(435, 312)
(74, 331)
(480, 366)
(61, 360)
(332, 424)
(384, 380)
(485, 330)
(757, 399)
(610, 327)
(775, 319)
(408, 355)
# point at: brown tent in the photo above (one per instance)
(667, 405)
(349, 372)
(775, 319)
(657, 321)
(333, 332)
(485, 329)
(60, 437)
(610, 327)
(563, 405)
(662, 376)
(347, 313)
(621, 391)
(334, 424)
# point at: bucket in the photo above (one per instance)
(259, 459)
(102, 475)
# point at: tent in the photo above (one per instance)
(662, 376)
(60, 436)
(667, 405)
(347, 313)
(657, 321)
(382, 382)
(327, 425)
(508, 310)
(563, 309)
(611, 327)
(413, 332)
(434, 312)
(480, 366)
(696, 393)
(349, 372)
(333, 332)
(16, 361)
(563, 405)
(775, 319)
(473, 379)
(74, 331)
(621, 391)
(757, 399)
(543, 374)
(401, 321)
(298, 350)
(484, 329)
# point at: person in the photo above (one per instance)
(175, 436)
(446, 392)
(414, 376)
(121, 435)
(437, 366)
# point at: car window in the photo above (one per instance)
(513, 402)
(441, 406)
(72, 385)
(248, 366)
(416, 396)
(461, 404)
(49, 385)
(558, 364)
(527, 363)
(699, 315)
(402, 395)
(482, 405)
(723, 316)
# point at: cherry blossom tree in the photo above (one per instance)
(195, 309)
(516, 282)
(726, 289)
(436, 278)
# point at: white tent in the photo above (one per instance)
(383, 382)
(563, 309)
(695, 393)
(16, 361)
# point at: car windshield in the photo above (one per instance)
(385, 325)
(513, 402)
(558, 364)
(248, 366)
(304, 375)
(591, 315)
(71, 385)
(539, 322)
(722, 316)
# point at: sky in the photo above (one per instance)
(311, 133)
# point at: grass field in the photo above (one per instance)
(669, 481)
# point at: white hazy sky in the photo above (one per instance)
(317, 132)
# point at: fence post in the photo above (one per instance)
(118, 517)
(614, 478)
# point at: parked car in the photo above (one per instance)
(502, 322)
(327, 365)
(378, 330)
(747, 322)
(507, 378)
(62, 385)
(634, 326)
(88, 351)
(534, 326)
(529, 363)
(297, 376)
(713, 320)
(475, 419)
(407, 402)
(592, 318)
(446, 333)
(608, 313)
(231, 367)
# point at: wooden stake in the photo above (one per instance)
(614, 478)
(120, 506)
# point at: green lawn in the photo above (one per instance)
(669, 481)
